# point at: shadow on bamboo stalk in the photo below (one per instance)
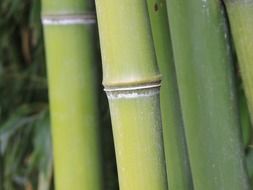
(178, 168)
(206, 88)
(132, 82)
(240, 13)
(69, 28)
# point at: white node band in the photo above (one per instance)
(133, 92)
(86, 19)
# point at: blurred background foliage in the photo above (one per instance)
(26, 160)
(25, 144)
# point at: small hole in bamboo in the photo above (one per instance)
(156, 7)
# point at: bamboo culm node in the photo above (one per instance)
(145, 90)
(133, 93)
(86, 19)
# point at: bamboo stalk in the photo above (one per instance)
(1, 172)
(132, 81)
(240, 14)
(250, 165)
(246, 128)
(206, 89)
(69, 28)
(178, 168)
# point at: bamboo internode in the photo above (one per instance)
(70, 36)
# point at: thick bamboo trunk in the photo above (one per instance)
(204, 73)
(178, 168)
(69, 28)
(132, 82)
(240, 14)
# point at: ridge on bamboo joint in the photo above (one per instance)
(127, 91)
(85, 19)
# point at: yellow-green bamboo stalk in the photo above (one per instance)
(69, 28)
(240, 14)
(206, 89)
(178, 168)
(132, 81)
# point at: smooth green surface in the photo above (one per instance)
(250, 165)
(126, 39)
(138, 142)
(71, 63)
(207, 96)
(56, 7)
(246, 128)
(129, 60)
(241, 21)
(1, 175)
(178, 169)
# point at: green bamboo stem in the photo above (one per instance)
(240, 14)
(178, 168)
(69, 28)
(1, 173)
(206, 89)
(250, 165)
(132, 81)
(246, 128)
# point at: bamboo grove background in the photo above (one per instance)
(203, 49)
